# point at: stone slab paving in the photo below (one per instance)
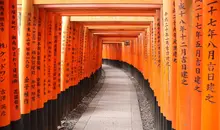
(115, 107)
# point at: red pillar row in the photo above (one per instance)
(40, 77)
(179, 55)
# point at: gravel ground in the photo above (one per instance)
(69, 121)
(145, 109)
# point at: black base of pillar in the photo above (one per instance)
(33, 117)
(46, 116)
(26, 119)
(54, 114)
(50, 110)
(16, 125)
(40, 119)
(59, 113)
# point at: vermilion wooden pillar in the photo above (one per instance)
(64, 43)
(25, 61)
(183, 89)
(153, 62)
(33, 81)
(16, 123)
(85, 47)
(80, 50)
(40, 69)
(68, 56)
(77, 52)
(168, 62)
(157, 59)
(73, 52)
(210, 65)
(173, 70)
(45, 72)
(145, 54)
(58, 88)
(196, 66)
(4, 70)
(63, 50)
(50, 62)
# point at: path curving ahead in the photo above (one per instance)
(115, 107)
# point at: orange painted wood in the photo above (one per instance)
(173, 70)
(50, 53)
(169, 59)
(64, 35)
(74, 55)
(4, 62)
(183, 89)
(25, 56)
(96, 2)
(40, 58)
(210, 65)
(196, 66)
(78, 51)
(81, 36)
(58, 33)
(13, 56)
(45, 65)
(34, 43)
(116, 23)
(145, 53)
(105, 13)
(56, 56)
(85, 48)
(69, 75)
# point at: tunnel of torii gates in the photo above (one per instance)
(51, 53)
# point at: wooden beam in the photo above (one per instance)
(115, 26)
(103, 11)
(115, 30)
(98, 6)
(116, 23)
(118, 27)
(112, 18)
(117, 35)
(58, 2)
(111, 42)
(118, 38)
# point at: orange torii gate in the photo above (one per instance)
(174, 57)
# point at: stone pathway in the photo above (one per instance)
(115, 107)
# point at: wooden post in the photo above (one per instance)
(16, 123)
(25, 61)
(210, 66)
(58, 88)
(65, 24)
(196, 66)
(45, 72)
(168, 59)
(34, 69)
(183, 89)
(40, 68)
(173, 70)
(4, 69)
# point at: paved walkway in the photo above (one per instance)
(115, 107)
